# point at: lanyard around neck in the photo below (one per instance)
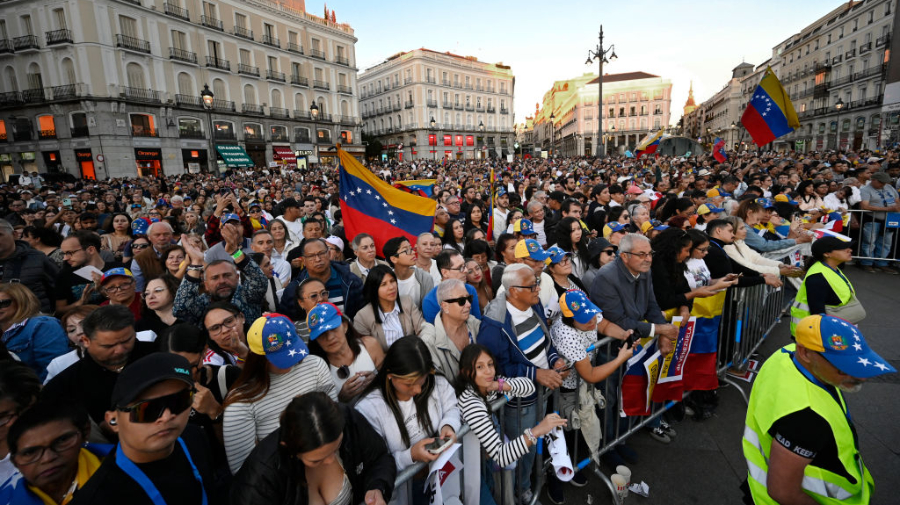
(142, 480)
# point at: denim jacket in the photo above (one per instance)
(36, 341)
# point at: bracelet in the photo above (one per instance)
(237, 254)
(530, 436)
(195, 267)
(500, 382)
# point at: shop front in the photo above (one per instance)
(233, 156)
(303, 158)
(195, 160)
(85, 159)
(6, 166)
(29, 161)
(52, 161)
(257, 152)
(284, 157)
(149, 162)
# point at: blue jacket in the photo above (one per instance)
(498, 334)
(351, 288)
(15, 489)
(431, 308)
(36, 341)
(761, 244)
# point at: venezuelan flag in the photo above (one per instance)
(648, 145)
(640, 378)
(424, 185)
(370, 205)
(770, 113)
(700, 368)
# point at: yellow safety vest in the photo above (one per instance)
(781, 389)
(840, 284)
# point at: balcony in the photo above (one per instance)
(133, 44)
(223, 105)
(851, 53)
(396, 106)
(299, 80)
(135, 2)
(33, 95)
(822, 67)
(66, 91)
(140, 131)
(430, 79)
(140, 95)
(211, 22)
(26, 42)
(880, 41)
(317, 53)
(479, 108)
(864, 48)
(409, 105)
(468, 86)
(224, 135)
(301, 114)
(458, 106)
(280, 137)
(347, 90)
(445, 82)
(323, 118)
(447, 105)
(302, 139)
(248, 70)
(340, 60)
(191, 134)
(295, 48)
(278, 112)
(504, 111)
(432, 104)
(347, 120)
(189, 101)
(182, 55)
(470, 107)
(837, 59)
(78, 132)
(321, 84)
(11, 98)
(243, 33)
(252, 108)
(479, 87)
(219, 63)
(6, 46)
(22, 135)
(270, 40)
(46, 134)
(59, 37)
(491, 109)
(379, 110)
(275, 75)
(176, 11)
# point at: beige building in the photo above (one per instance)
(110, 88)
(470, 101)
(634, 105)
(720, 115)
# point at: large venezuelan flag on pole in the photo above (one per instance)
(770, 113)
(648, 145)
(370, 205)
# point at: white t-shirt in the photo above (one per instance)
(697, 273)
(295, 229)
(410, 287)
(541, 235)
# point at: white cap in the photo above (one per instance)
(336, 241)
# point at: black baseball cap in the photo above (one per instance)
(149, 371)
(596, 246)
(827, 245)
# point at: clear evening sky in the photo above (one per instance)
(546, 41)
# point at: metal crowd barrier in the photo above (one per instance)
(874, 239)
(748, 317)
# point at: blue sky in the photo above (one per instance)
(545, 41)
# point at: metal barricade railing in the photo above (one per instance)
(875, 239)
(749, 314)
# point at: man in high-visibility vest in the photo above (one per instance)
(799, 440)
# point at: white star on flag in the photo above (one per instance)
(377, 197)
(880, 366)
(302, 352)
(390, 213)
(368, 191)
(864, 361)
(857, 347)
(385, 204)
(393, 221)
(292, 353)
(844, 324)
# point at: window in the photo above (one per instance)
(219, 89)
(69, 71)
(240, 21)
(26, 25)
(319, 75)
(269, 30)
(273, 63)
(296, 70)
(253, 131)
(143, 125)
(316, 45)
(249, 95)
(135, 76)
(244, 56)
(179, 40)
(128, 26)
(190, 127)
(209, 10)
(59, 16)
(214, 50)
(301, 135)
(185, 84)
(3, 34)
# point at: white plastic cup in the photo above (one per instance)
(624, 472)
(621, 485)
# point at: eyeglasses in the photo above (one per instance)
(60, 444)
(703, 249)
(408, 250)
(229, 323)
(321, 295)
(149, 411)
(140, 246)
(534, 287)
(66, 254)
(120, 287)
(461, 268)
(643, 256)
(318, 255)
(461, 301)
(5, 303)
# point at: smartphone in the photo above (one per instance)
(67, 202)
(438, 445)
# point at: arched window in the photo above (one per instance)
(219, 89)
(190, 127)
(46, 126)
(279, 134)
(345, 108)
(276, 99)
(301, 135)
(253, 131)
(876, 120)
(68, 71)
(35, 80)
(11, 79)
(224, 130)
(249, 95)
(143, 125)
(300, 102)
(186, 84)
(135, 76)
(322, 109)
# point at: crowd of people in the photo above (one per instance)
(221, 339)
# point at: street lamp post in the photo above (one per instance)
(434, 147)
(733, 126)
(599, 53)
(837, 133)
(552, 133)
(612, 131)
(207, 96)
(481, 131)
(314, 112)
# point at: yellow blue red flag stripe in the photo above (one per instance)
(770, 113)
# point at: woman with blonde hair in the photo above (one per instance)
(33, 338)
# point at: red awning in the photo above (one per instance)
(283, 153)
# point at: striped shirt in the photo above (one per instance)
(530, 335)
(335, 291)
(475, 413)
(244, 424)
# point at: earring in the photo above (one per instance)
(112, 422)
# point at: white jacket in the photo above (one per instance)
(741, 253)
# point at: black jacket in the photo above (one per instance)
(269, 478)
(720, 265)
(35, 271)
(669, 289)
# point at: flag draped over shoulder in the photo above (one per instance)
(370, 205)
(649, 144)
(426, 186)
(770, 113)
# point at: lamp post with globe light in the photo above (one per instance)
(599, 53)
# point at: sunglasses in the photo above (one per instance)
(149, 411)
(140, 246)
(461, 301)
(343, 372)
(5, 303)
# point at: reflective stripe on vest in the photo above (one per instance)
(800, 307)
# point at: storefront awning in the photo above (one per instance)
(281, 153)
(234, 156)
